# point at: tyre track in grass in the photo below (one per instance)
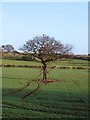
(80, 101)
(36, 89)
(25, 86)
(80, 89)
(33, 91)
(13, 106)
(71, 98)
(20, 89)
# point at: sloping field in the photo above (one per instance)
(26, 96)
(71, 62)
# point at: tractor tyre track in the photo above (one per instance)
(32, 92)
(18, 89)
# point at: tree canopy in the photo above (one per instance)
(47, 49)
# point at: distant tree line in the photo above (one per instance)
(8, 52)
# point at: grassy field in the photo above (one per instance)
(71, 62)
(26, 96)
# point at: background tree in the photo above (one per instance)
(8, 48)
(46, 49)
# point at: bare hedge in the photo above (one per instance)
(52, 67)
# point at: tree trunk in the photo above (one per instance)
(44, 71)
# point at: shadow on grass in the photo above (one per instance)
(43, 103)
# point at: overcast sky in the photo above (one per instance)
(67, 22)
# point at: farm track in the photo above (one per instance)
(33, 91)
(10, 93)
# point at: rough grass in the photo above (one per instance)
(65, 97)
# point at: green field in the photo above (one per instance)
(71, 62)
(26, 96)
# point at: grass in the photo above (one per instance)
(72, 62)
(65, 97)
(18, 62)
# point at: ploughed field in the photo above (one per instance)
(26, 96)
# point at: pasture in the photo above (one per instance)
(26, 96)
(71, 62)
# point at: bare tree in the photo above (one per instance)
(46, 49)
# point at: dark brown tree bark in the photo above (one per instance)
(44, 72)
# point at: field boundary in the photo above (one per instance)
(52, 67)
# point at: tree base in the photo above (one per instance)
(47, 81)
